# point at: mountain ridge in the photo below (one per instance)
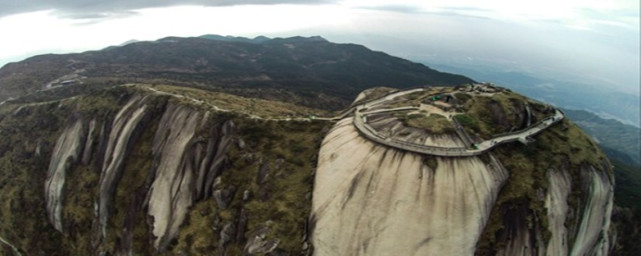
(260, 67)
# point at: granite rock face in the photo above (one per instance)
(119, 142)
(66, 152)
(373, 200)
(204, 185)
(172, 190)
(185, 163)
(588, 233)
(552, 197)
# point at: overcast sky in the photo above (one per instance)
(589, 40)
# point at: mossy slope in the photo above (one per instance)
(266, 156)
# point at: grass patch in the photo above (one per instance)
(238, 104)
(462, 97)
(468, 122)
(374, 93)
(436, 124)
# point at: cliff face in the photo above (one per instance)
(160, 170)
(374, 200)
(154, 173)
(184, 166)
(67, 149)
(552, 196)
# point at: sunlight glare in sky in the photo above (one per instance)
(41, 31)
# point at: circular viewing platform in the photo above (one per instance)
(420, 120)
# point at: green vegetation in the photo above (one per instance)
(434, 123)
(463, 98)
(288, 151)
(503, 112)
(287, 148)
(22, 176)
(258, 107)
(374, 93)
(611, 134)
(562, 147)
(22, 165)
(468, 122)
(478, 109)
(628, 182)
(628, 227)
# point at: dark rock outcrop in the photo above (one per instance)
(258, 243)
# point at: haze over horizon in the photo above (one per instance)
(588, 41)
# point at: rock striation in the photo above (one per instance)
(187, 159)
(373, 200)
(67, 152)
(591, 235)
(163, 176)
(185, 168)
(119, 142)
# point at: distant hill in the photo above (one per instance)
(305, 70)
(619, 140)
(258, 39)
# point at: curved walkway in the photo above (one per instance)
(370, 133)
(389, 110)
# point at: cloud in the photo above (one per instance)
(394, 8)
(466, 12)
(92, 9)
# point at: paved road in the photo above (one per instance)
(389, 110)
(368, 132)
(524, 135)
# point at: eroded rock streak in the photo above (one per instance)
(373, 200)
(66, 152)
(171, 192)
(556, 203)
(592, 236)
(589, 234)
(120, 141)
(185, 169)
